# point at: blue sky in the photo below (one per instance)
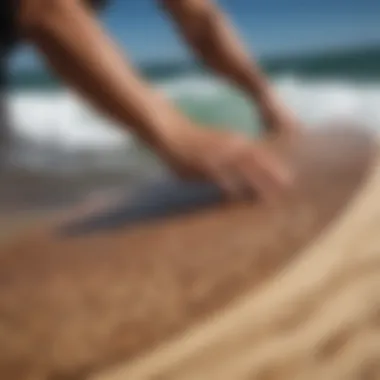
(267, 26)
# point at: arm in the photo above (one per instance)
(209, 33)
(212, 37)
(80, 51)
(77, 48)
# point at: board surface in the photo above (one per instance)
(119, 285)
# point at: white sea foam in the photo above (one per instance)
(61, 122)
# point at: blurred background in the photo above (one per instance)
(323, 57)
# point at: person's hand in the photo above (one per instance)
(279, 122)
(276, 117)
(240, 166)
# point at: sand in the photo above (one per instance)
(238, 291)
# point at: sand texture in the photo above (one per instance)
(234, 291)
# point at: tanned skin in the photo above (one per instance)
(212, 37)
(75, 45)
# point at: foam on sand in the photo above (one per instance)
(239, 291)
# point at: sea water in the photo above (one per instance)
(60, 132)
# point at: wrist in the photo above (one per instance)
(268, 101)
(260, 91)
(166, 132)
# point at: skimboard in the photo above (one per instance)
(173, 282)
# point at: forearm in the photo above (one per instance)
(213, 38)
(78, 49)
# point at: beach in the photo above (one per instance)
(112, 268)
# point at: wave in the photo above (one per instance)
(57, 123)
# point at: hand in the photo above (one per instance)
(239, 166)
(276, 117)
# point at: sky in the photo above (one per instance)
(268, 27)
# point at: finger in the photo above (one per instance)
(258, 182)
(246, 179)
(259, 177)
(228, 181)
(273, 167)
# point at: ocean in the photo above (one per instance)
(55, 132)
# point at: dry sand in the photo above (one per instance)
(236, 292)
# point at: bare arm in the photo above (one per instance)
(73, 42)
(213, 38)
(210, 34)
(78, 49)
